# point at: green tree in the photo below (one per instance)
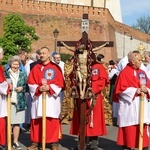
(65, 57)
(17, 34)
(143, 24)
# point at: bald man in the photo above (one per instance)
(127, 92)
(53, 86)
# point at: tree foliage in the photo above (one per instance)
(65, 57)
(143, 24)
(17, 34)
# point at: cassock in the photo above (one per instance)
(96, 121)
(3, 107)
(129, 107)
(53, 74)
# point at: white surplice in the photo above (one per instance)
(3, 101)
(53, 103)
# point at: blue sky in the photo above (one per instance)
(134, 9)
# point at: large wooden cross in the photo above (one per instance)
(84, 38)
(82, 117)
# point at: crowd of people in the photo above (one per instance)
(42, 72)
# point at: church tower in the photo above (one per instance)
(113, 5)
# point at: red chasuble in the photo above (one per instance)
(96, 121)
(51, 72)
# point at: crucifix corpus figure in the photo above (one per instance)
(82, 70)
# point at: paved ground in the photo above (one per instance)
(68, 142)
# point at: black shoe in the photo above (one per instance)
(16, 146)
(3, 147)
(126, 148)
(75, 148)
(145, 148)
(94, 148)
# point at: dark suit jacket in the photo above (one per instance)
(34, 63)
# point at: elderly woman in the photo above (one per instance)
(18, 102)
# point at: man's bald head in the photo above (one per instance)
(132, 55)
(134, 58)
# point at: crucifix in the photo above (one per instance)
(81, 88)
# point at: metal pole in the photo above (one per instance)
(92, 3)
(104, 4)
(55, 47)
(55, 32)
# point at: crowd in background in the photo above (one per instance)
(26, 71)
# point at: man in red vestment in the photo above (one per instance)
(4, 88)
(127, 92)
(96, 122)
(53, 84)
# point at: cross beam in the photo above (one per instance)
(94, 43)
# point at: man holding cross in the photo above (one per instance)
(95, 121)
(88, 80)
